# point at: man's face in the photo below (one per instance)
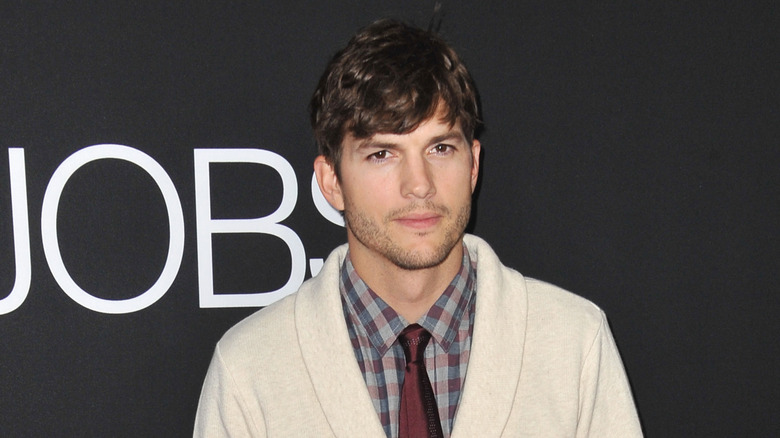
(407, 198)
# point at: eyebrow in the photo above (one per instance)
(370, 143)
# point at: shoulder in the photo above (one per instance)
(544, 303)
(273, 329)
(267, 329)
(552, 302)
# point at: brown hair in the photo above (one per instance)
(388, 79)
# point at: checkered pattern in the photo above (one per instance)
(374, 327)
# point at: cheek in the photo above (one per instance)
(458, 182)
(367, 193)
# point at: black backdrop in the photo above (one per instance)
(630, 155)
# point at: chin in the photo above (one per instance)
(418, 259)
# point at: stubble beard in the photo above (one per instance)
(377, 238)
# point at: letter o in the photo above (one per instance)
(51, 200)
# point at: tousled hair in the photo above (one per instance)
(390, 78)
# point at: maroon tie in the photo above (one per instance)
(419, 415)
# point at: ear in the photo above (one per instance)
(476, 147)
(328, 182)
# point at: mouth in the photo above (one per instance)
(419, 221)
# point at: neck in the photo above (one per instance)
(411, 293)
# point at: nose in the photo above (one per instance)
(417, 178)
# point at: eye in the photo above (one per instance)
(441, 148)
(379, 155)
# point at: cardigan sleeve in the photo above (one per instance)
(222, 411)
(606, 405)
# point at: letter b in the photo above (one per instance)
(263, 225)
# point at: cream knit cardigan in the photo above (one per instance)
(543, 363)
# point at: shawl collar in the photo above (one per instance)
(328, 356)
(496, 346)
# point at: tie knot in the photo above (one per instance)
(413, 339)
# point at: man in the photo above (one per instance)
(412, 324)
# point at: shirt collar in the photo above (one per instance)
(381, 324)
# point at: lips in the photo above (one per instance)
(419, 220)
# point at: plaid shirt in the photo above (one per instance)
(374, 327)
